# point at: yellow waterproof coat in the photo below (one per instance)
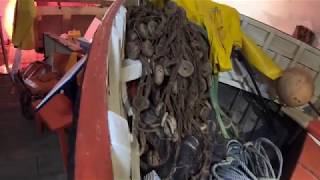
(23, 30)
(222, 24)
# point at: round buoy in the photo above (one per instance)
(295, 87)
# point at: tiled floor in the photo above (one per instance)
(25, 155)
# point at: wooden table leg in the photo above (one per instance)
(63, 140)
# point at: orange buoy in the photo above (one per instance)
(295, 87)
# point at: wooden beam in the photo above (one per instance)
(93, 147)
(101, 2)
(90, 10)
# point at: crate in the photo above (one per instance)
(285, 50)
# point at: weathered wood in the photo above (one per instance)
(69, 11)
(93, 148)
(102, 2)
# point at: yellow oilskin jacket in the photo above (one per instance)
(222, 24)
(23, 30)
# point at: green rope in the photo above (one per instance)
(220, 114)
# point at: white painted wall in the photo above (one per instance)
(281, 14)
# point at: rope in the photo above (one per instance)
(222, 118)
(248, 161)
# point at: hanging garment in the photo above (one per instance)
(222, 24)
(23, 30)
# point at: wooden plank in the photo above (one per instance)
(93, 148)
(49, 10)
(103, 3)
(80, 1)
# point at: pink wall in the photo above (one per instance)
(282, 14)
(3, 4)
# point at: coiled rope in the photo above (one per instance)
(248, 161)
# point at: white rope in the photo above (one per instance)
(248, 161)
